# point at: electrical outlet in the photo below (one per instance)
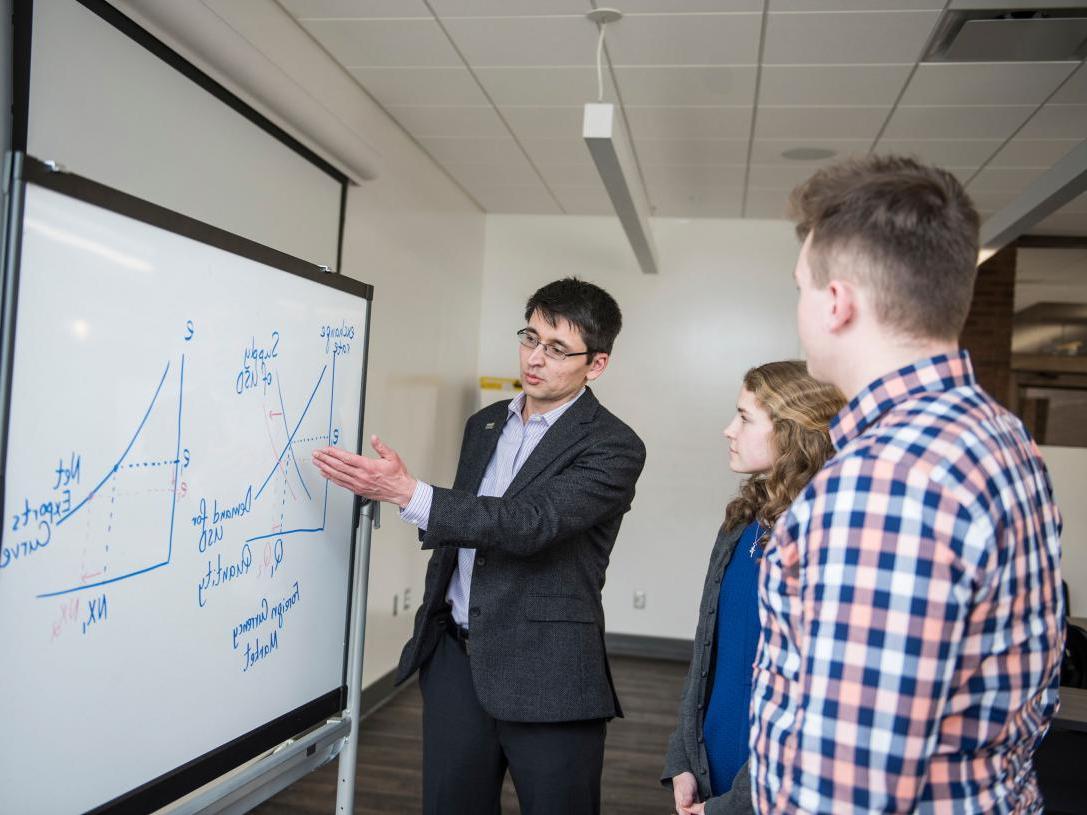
(407, 599)
(639, 598)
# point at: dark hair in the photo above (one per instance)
(590, 309)
(906, 231)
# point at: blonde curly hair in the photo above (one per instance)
(801, 409)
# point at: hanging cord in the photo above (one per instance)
(600, 64)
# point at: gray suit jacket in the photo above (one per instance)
(537, 623)
(686, 748)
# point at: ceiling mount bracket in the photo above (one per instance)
(601, 16)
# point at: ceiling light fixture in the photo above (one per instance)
(609, 146)
(809, 154)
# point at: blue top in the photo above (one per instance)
(726, 726)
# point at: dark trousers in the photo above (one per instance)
(555, 766)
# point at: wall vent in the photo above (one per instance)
(1010, 35)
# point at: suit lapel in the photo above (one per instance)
(482, 446)
(570, 428)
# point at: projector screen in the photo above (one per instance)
(104, 105)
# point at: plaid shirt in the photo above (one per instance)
(911, 609)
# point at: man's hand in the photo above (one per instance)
(685, 790)
(379, 479)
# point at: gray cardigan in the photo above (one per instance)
(686, 748)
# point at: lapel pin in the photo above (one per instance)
(489, 426)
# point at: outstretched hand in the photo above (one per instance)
(380, 479)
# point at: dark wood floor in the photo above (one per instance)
(390, 752)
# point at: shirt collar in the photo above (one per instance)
(549, 418)
(931, 375)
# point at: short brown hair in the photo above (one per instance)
(906, 231)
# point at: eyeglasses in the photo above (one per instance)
(531, 341)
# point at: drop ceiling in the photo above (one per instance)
(714, 91)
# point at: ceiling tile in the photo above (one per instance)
(367, 43)
(767, 204)
(694, 175)
(524, 41)
(557, 85)
(685, 39)
(769, 151)
(544, 122)
(359, 9)
(686, 85)
(691, 151)
(984, 83)
(999, 179)
(443, 121)
(1074, 91)
(1042, 153)
(835, 38)
(687, 202)
(820, 122)
(689, 122)
(943, 152)
(992, 201)
(567, 175)
(832, 84)
(473, 151)
(631, 7)
(571, 150)
(948, 122)
(420, 86)
(782, 177)
(584, 200)
(507, 8)
(529, 200)
(493, 174)
(853, 5)
(1056, 122)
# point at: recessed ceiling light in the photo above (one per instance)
(808, 153)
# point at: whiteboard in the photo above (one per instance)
(174, 573)
(106, 107)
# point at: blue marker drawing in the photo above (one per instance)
(283, 415)
(290, 438)
(112, 473)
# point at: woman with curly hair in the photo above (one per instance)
(779, 438)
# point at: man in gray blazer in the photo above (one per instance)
(509, 638)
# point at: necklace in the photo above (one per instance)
(755, 543)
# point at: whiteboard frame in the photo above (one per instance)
(320, 719)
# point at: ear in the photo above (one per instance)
(597, 366)
(842, 301)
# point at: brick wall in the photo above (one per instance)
(987, 334)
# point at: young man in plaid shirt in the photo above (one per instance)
(910, 598)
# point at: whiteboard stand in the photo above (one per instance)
(345, 786)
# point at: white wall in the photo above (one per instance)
(724, 301)
(1068, 472)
